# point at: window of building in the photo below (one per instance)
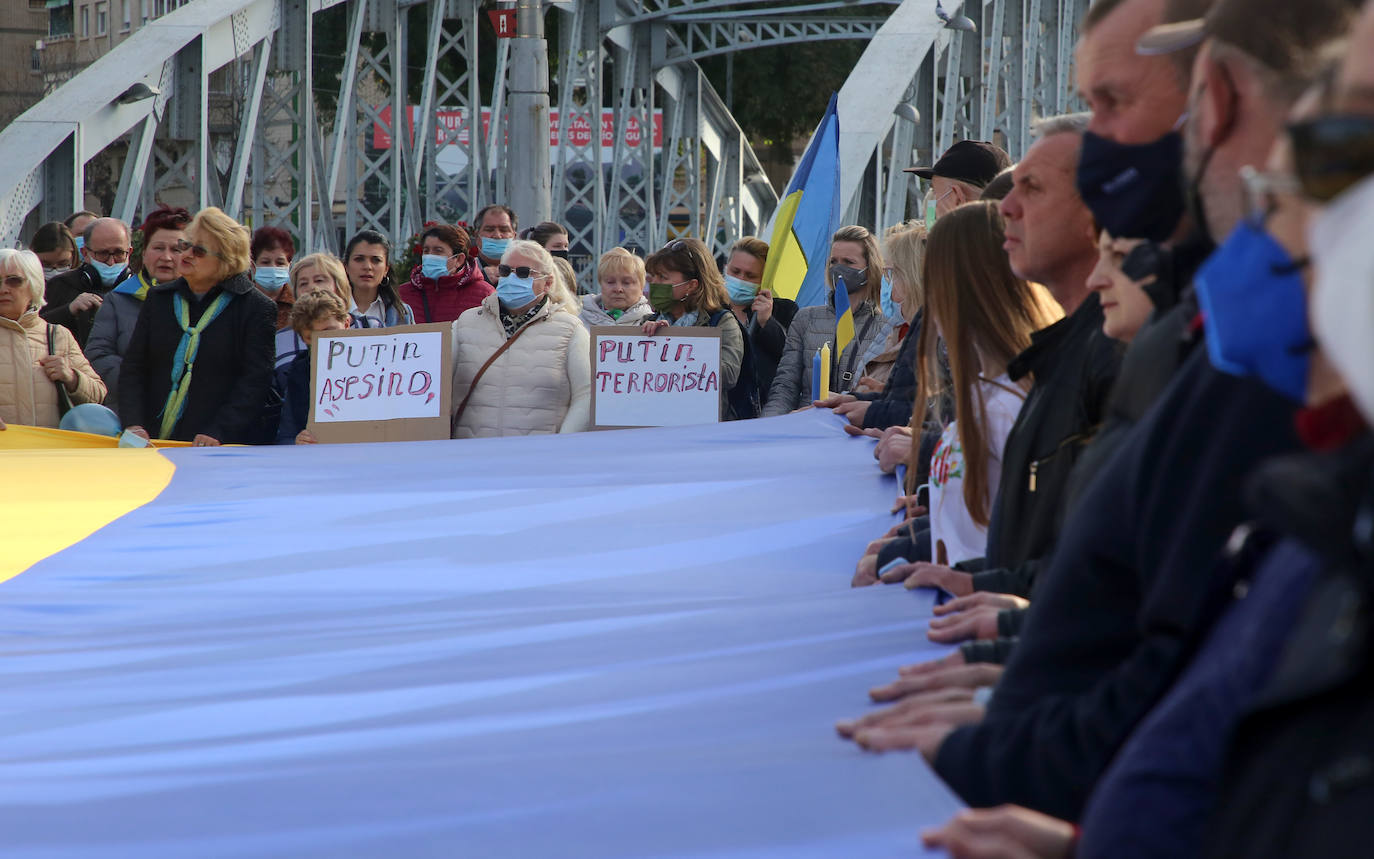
(102, 18)
(35, 60)
(124, 17)
(38, 5)
(85, 22)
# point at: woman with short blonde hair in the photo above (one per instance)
(199, 364)
(620, 298)
(42, 368)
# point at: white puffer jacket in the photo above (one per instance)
(541, 384)
(27, 395)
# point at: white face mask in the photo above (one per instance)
(1343, 292)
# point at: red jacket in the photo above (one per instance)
(445, 299)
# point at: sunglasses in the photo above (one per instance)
(1332, 153)
(13, 281)
(197, 251)
(520, 271)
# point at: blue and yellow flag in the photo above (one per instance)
(844, 321)
(808, 216)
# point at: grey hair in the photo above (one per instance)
(25, 264)
(1065, 123)
(90, 228)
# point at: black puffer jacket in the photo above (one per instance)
(232, 382)
(61, 291)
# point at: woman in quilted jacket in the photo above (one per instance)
(39, 362)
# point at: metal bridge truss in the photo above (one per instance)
(229, 117)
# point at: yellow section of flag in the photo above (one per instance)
(786, 267)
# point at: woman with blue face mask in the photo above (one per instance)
(272, 251)
(522, 358)
(763, 317)
(448, 281)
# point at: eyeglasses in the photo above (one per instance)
(1331, 153)
(111, 255)
(197, 251)
(520, 271)
(13, 281)
(1261, 189)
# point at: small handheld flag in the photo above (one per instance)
(844, 318)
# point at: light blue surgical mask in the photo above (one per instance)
(271, 278)
(515, 291)
(80, 243)
(434, 266)
(891, 309)
(494, 248)
(741, 291)
(109, 271)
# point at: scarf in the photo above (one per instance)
(136, 285)
(184, 361)
(513, 324)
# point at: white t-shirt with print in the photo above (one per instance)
(950, 521)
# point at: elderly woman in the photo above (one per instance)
(272, 251)
(621, 301)
(856, 266)
(161, 235)
(199, 365)
(42, 370)
(522, 360)
(448, 281)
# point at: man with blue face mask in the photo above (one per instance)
(72, 299)
(495, 227)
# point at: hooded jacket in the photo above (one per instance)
(446, 298)
(27, 395)
(232, 380)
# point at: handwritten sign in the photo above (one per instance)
(382, 384)
(670, 379)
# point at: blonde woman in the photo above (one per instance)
(620, 299)
(199, 364)
(856, 262)
(317, 271)
(39, 361)
(522, 359)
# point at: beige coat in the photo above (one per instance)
(541, 384)
(27, 396)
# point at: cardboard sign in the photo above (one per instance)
(382, 384)
(667, 380)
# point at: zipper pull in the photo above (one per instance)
(1034, 466)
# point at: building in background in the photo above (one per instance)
(23, 27)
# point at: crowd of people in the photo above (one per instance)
(1127, 381)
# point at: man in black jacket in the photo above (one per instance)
(71, 299)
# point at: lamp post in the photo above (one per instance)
(529, 179)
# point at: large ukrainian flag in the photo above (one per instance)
(807, 218)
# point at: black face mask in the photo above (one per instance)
(563, 254)
(1135, 191)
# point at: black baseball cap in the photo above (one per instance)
(976, 162)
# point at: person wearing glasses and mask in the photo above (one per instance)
(56, 249)
(161, 235)
(447, 282)
(74, 297)
(41, 367)
(522, 359)
(199, 364)
(686, 289)
(855, 265)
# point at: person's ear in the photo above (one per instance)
(1217, 114)
(462, 259)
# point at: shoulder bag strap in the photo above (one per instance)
(64, 399)
(462, 407)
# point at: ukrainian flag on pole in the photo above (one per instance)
(807, 217)
(844, 321)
